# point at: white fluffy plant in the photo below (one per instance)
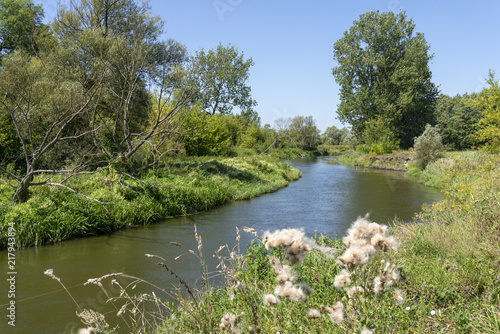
(364, 240)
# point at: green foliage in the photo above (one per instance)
(303, 132)
(383, 73)
(20, 23)
(334, 136)
(221, 77)
(457, 121)
(180, 187)
(378, 138)
(204, 134)
(250, 137)
(488, 102)
(428, 147)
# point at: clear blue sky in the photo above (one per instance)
(291, 43)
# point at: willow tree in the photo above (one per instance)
(383, 73)
(145, 86)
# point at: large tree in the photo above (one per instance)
(127, 35)
(221, 79)
(20, 22)
(106, 89)
(383, 72)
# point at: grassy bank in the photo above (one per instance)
(398, 160)
(444, 277)
(178, 188)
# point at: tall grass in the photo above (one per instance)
(178, 188)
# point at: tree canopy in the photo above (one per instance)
(20, 22)
(457, 120)
(488, 102)
(383, 73)
(221, 80)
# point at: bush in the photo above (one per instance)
(428, 147)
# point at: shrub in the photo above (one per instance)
(428, 147)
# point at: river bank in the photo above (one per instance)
(442, 277)
(181, 187)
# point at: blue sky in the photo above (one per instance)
(291, 43)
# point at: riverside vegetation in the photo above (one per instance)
(437, 274)
(182, 186)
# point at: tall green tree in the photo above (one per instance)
(20, 22)
(383, 73)
(488, 102)
(303, 131)
(457, 120)
(221, 80)
(334, 135)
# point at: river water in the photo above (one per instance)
(327, 199)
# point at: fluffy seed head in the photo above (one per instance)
(313, 314)
(293, 292)
(285, 274)
(271, 299)
(354, 290)
(342, 279)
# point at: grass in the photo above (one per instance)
(396, 160)
(444, 276)
(179, 188)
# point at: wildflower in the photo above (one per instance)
(306, 288)
(288, 290)
(408, 308)
(296, 252)
(354, 290)
(335, 312)
(228, 319)
(342, 279)
(354, 256)
(433, 312)
(398, 295)
(388, 276)
(313, 314)
(282, 238)
(271, 299)
(88, 330)
(285, 274)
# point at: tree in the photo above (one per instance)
(204, 134)
(304, 132)
(45, 103)
(334, 135)
(457, 120)
(383, 73)
(221, 80)
(86, 99)
(378, 138)
(20, 22)
(127, 35)
(488, 102)
(428, 147)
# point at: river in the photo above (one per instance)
(327, 199)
